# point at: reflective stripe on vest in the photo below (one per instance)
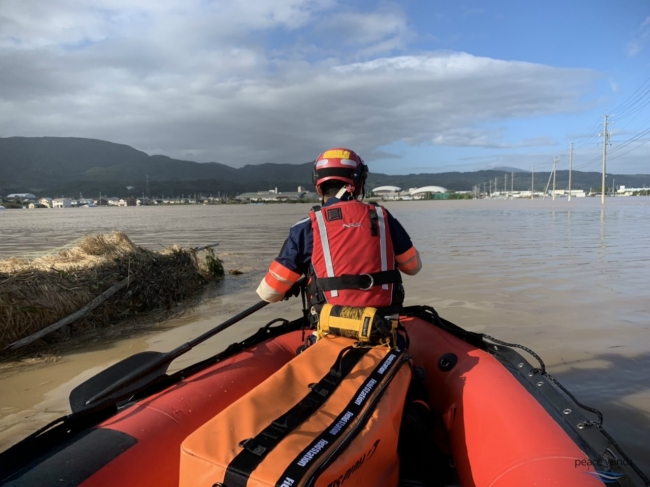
(326, 247)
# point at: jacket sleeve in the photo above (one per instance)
(406, 255)
(277, 281)
(286, 268)
(409, 262)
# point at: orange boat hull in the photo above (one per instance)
(497, 431)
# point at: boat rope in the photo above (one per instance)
(598, 424)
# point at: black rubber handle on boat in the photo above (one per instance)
(160, 362)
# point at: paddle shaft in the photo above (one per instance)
(169, 356)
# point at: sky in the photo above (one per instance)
(418, 86)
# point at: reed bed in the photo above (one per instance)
(34, 293)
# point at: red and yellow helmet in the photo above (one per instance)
(340, 164)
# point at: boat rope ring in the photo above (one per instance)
(447, 362)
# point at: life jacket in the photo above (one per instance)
(353, 261)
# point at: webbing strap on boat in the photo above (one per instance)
(367, 394)
(257, 448)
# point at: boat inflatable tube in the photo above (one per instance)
(331, 414)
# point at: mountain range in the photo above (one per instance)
(56, 166)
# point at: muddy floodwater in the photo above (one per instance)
(571, 280)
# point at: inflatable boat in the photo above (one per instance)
(499, 420)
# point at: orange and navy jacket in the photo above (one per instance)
(295, 256)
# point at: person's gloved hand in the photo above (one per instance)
(294, 291)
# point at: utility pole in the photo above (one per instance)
(605, 140)
(532, 184)
(484, 187)
(548, 184)
(512, 183)
(613, 188)
(505, 182)
(554, 166)
(570, 168)
(490, 183)
(495, 185)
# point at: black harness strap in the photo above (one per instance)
(351, 281)
(255, 449)
(374, 225)
(365, 397)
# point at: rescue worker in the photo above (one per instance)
(352, 251)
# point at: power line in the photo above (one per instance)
(594, 135)
(589, 162)
(631, 109)
(634, 148)
(623, 106)
(630, 140)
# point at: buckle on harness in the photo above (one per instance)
(372, 282)
(255, 450)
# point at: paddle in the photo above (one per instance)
(136, 371)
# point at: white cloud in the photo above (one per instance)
(357, 28)
(638, 44)
(198, 79)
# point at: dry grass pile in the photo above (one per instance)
(36, 293)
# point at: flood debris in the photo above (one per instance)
(36, 293)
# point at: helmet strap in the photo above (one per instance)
(343, 190)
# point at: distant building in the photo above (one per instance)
(61, 203)
(127, 202)
(625, 191)
(427, 189)
(275, 195)
(46, 202)
(386, 189)
(34, 204)
(397, 193)
(113, 201)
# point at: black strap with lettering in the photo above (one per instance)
(377, 380)
(257, 448)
